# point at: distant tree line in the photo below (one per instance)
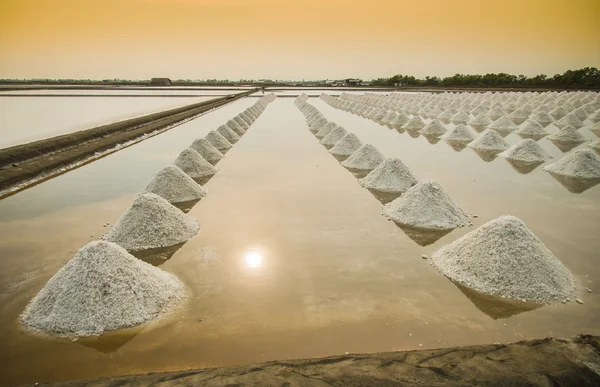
(587, 78)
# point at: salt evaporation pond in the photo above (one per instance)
(293, 258)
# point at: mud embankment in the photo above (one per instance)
(24, 165)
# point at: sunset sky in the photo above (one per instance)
(300, 39)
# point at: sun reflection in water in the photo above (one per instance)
(254, 259)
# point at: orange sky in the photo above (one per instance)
(300, 39)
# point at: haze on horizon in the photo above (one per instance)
(308, 39)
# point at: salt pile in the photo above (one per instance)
(103, 288)
(435, 128)
(399, 121)
(229, 134)
(325, 130)
(518, 116)
(460, 118)
(494, 114)
(414, 124)
(152, 222)
(426, 206)
(173, 185)
(346, 146)
(503, 125)
(479, 122)
(241, 122)
(595, 145)
(207, 150)
(526, 151)
(581, 164)
(366, 158)
(192, 163)
(567, 134)
(596, 129)
(461, 133)
(334, 136)
(542, 118)
(489, 140)
(531, 129)
(218, 141)
(569, 120)
(235, 127)
(318, 125)
(391, 176)
(504, 258)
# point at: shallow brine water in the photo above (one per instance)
(294, 258)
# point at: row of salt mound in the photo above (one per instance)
(218, 141)
(505, 259)
(326, 129)
(526, 151)
(235, 127)
(365, 158)
(175, 186)
(346, 146)
(333, 137)
(194, 165)
(391, 176)
(207, 150)
(103, 288)
(228, 134)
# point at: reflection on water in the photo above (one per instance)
(457, 145)
(111, 341)
(487, 155)
(359, 173)
(340, 158)
(566, 146)
(254, 259)
(523, 167)
(422, 236)
(535, 137)
(413, 133)
(574, 184)
(399, 130)
(478, 129)
(502, 133)
(158, 256)
(186, 206)
(384, 197)
(432, 139)
(496, 307)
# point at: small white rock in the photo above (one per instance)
(579, 301)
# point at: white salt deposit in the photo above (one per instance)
(229, 134)
(503, 124)
(595, 145)
(207, 150)
(235, 127)
(103, 288)
(241, 122)
(479, 121)
(542, 118)
(434, 128)
(569, 120)
(581, 164)
(218, 141)
(152, 222)
(318, 125)
(531, 129)
(391, 176)
(567, 134)
(334, 136)
(326, 129)
(518, 116)
(460, 118)
(504, 258)
(426, 206)
(346, 146)
(489, 140)
(366, 158)
(461, 133)
(414, 124)
(192, 163)
(399, 121)
(173, 185)
(526, 151)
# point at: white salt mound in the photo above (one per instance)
(489, 140)
(325, 130)
(391, 176)
(461, 133)
(172, 184)
(460, 118)
(235, 127)
(346, 146)
(427, 206)
(434, 128)
(415, 124)
(103, 288)
(480, 121)
(595, 145)
(567, 134)
(367, 157)
(504, 258)
(531, 128)
(503, 124)
(241, 122)
(194, 165)
(334, 136)
(229, 134)
(207, 150)
(218, 141)
(526, 151)
(152, 222)
(581, 164)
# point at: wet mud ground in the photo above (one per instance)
(293, 259)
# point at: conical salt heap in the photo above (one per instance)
(503, 125)
(531, 129)
(235, 127)
(479, 122)
(567, 134)
(317, 125)
(426, 206)
(505, 259)
(194, 165)
(489, 140)
(229, 134)
(366, 158)
(435, 129)
(595, 145)
(173, 185)
(207, 150)
(399, 121)
(346, 146)
(103, 288)
(460, 118)
(241, 122)
(526, 151)
(391, 176)
(569, 120)
(326, 129)
(414, 124)
(518, 116)
(494, 114)
(152, 222)
(580, 164)
(218, 141)
(596, 129)
(461, 133)
(542, 118)
(334, 136)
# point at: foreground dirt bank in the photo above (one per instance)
(26, 164)
(547, 362)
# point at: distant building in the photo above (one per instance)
(352, 82)
(160, 82)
